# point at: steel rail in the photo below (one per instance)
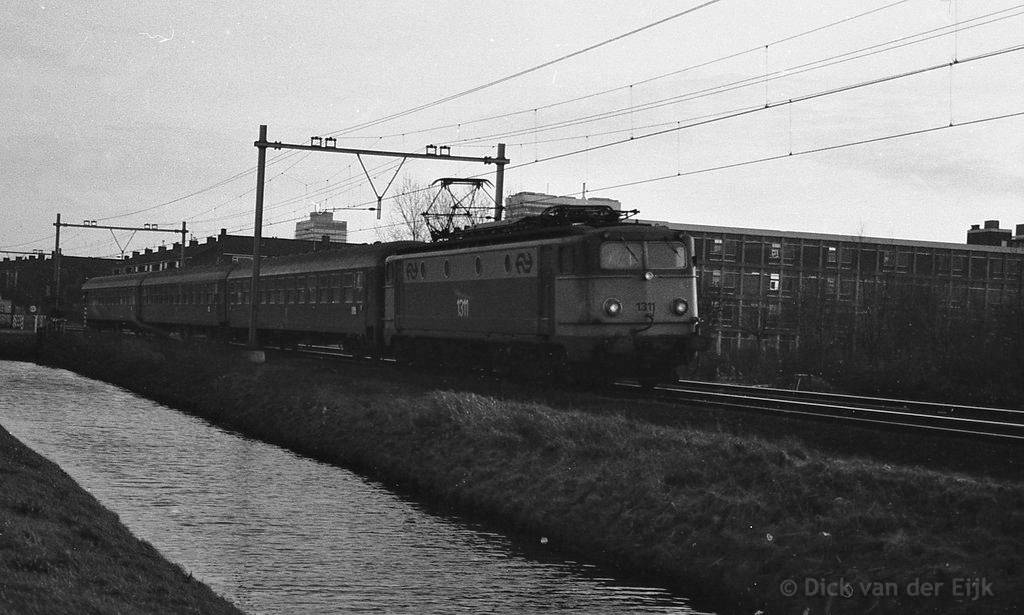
(1003, 424)
(884, 402)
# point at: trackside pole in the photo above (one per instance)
(56, 269)
(257, 236)
(499, 182)
(184, 231)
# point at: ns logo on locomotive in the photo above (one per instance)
(578, 291)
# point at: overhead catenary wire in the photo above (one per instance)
(814, 150)
(355, 206)
(863, 52)
(523, 72)
(240, 195)
(749, 110)
(760, 108)
(286, 155)
(214, 186)
(27, 243)
(790, 101)
(787, 102)
(765, 159)
(642, 81)
(337, 189)
(230, 179)
(334, 189)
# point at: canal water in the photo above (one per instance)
(279, 533)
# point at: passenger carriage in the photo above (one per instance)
(327, 297)
(185, 300)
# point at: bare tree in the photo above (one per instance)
(404, 213)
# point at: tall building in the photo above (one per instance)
(320, 224)
(754, 284)
(532, 203)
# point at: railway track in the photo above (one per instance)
(970, 421)
(953, 419)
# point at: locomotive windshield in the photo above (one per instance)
(629, 255)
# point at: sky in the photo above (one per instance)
(133, 113)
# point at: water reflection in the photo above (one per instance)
(278, 533)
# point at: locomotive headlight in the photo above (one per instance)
(648, 275)
(680, 306)
(612, 307)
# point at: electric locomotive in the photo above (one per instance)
(576, 290)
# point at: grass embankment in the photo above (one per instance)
(732, 518)
(61, 551)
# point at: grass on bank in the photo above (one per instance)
(727, 516)
(61, 551)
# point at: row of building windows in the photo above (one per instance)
(146, 267)
(729, 342)
(756, 284)
(779, 316)
(869, 260)
(789, 284)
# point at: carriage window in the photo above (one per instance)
(666, 255)
(622, 255)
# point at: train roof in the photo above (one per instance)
(350, 256)
(202, 273)
(114, 281)
(620, 232)
(556, 221)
